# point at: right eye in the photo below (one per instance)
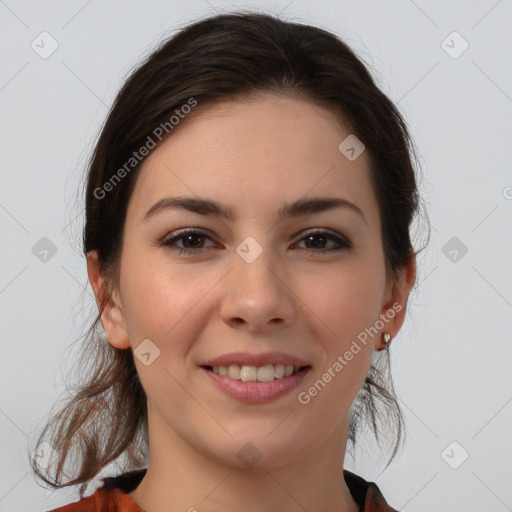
(189, 237)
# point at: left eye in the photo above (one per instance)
(323, 235)
(193, 241)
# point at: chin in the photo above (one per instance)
(258, 447)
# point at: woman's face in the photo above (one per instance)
(257, 284)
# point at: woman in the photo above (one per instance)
(248, 207)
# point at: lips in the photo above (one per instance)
(256, 392)
(256, 378)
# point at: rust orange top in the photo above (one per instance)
(113, 495)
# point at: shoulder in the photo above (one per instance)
(366, 494)
(101, 501)
(112, 496)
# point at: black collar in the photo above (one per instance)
(129, 481)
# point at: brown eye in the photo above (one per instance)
(316, 241)
(192, 241)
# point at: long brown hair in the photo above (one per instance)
(229, 55)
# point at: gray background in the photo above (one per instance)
(451, 360)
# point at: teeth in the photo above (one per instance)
(265, 373)
(234, 372)
(278, 371)
(248, 373)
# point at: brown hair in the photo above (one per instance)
(229, 55)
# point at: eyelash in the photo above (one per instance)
(341, 241)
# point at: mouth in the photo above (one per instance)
(252, 373)
(256, 378)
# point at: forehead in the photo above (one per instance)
(254, 153)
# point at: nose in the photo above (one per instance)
(257, 296)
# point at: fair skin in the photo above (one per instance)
(253, 157)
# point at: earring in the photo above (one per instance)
(387, 340)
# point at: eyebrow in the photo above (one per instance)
(204, 206)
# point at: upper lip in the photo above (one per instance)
(245, 358)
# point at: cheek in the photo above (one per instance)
(162, 301)
(163, 304)
(347, 300)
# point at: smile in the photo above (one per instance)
(252, 384)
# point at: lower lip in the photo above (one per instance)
(256, 392)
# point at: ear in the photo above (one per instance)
(395, 300)
(112, 316)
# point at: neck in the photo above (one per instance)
(182, 477)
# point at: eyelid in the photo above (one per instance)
(184, 231)
(179, 233)
(322, 231)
